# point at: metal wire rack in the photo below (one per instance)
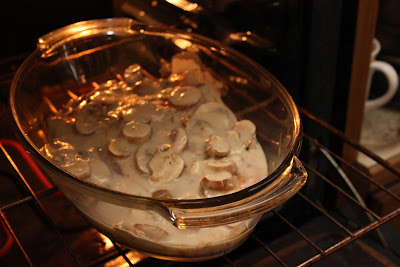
(326, 222)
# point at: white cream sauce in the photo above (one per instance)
(141, 136)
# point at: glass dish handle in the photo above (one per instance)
(57, 38)
(283, 188)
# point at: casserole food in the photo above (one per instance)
(73, 61)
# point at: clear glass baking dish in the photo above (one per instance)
(71, 59)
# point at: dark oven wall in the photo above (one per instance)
(24, 21)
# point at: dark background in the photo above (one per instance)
(23, 21)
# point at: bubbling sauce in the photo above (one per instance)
(163, 138)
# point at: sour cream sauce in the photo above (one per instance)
(172, 138)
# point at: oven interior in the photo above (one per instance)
(329, 222)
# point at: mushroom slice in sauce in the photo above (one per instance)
(80, 169)
(136, 132)
(165, 167)
(218, 146)
(100, 173)
(216, 114)
(142, 157)
(150, 232)
(162, 194)
(144, 231)
(245, 128)
(142, 112)
(133, 74)
(60, 152)
(180, 140)
(247, 132)
(184, 96)
(118, 147)
(87, 121)
(220, 181)
(223, 165)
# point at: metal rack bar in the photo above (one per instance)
(103, 259)
(273, 254)
(366, 209)
(36, 200)
(294, 228)
(356, 235)
(256, 106)
(122, 253)
(325, 213)
(27, 199)
(353, 168)
(347, 140)
(15, 238)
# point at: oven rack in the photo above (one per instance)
(326, 220)
(266, 245)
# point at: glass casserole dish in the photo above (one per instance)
(73, 61)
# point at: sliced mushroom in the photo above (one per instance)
(144, 231)
(199, 132)
(223, 165)
(107, 158)
(164, 93)
(60, 152)
(184, 96)
(136, 132)
(217, 146)
(221, 181)
(87, 121)
(100, 173)
(215, 114)
(162, 194)
(245, 128)
(180, 138)
(145, 153)
(165, 167)
(142, 157)
(80, 169)
(246, 131)
(150, 232)
(133, 74)
(233, 135)
(118, 147)
(147, 87)
(142, 112)
(201, 128)
(163, 148)
(104, 97)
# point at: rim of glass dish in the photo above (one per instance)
(180, 203)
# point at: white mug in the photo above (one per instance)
(390, 74)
